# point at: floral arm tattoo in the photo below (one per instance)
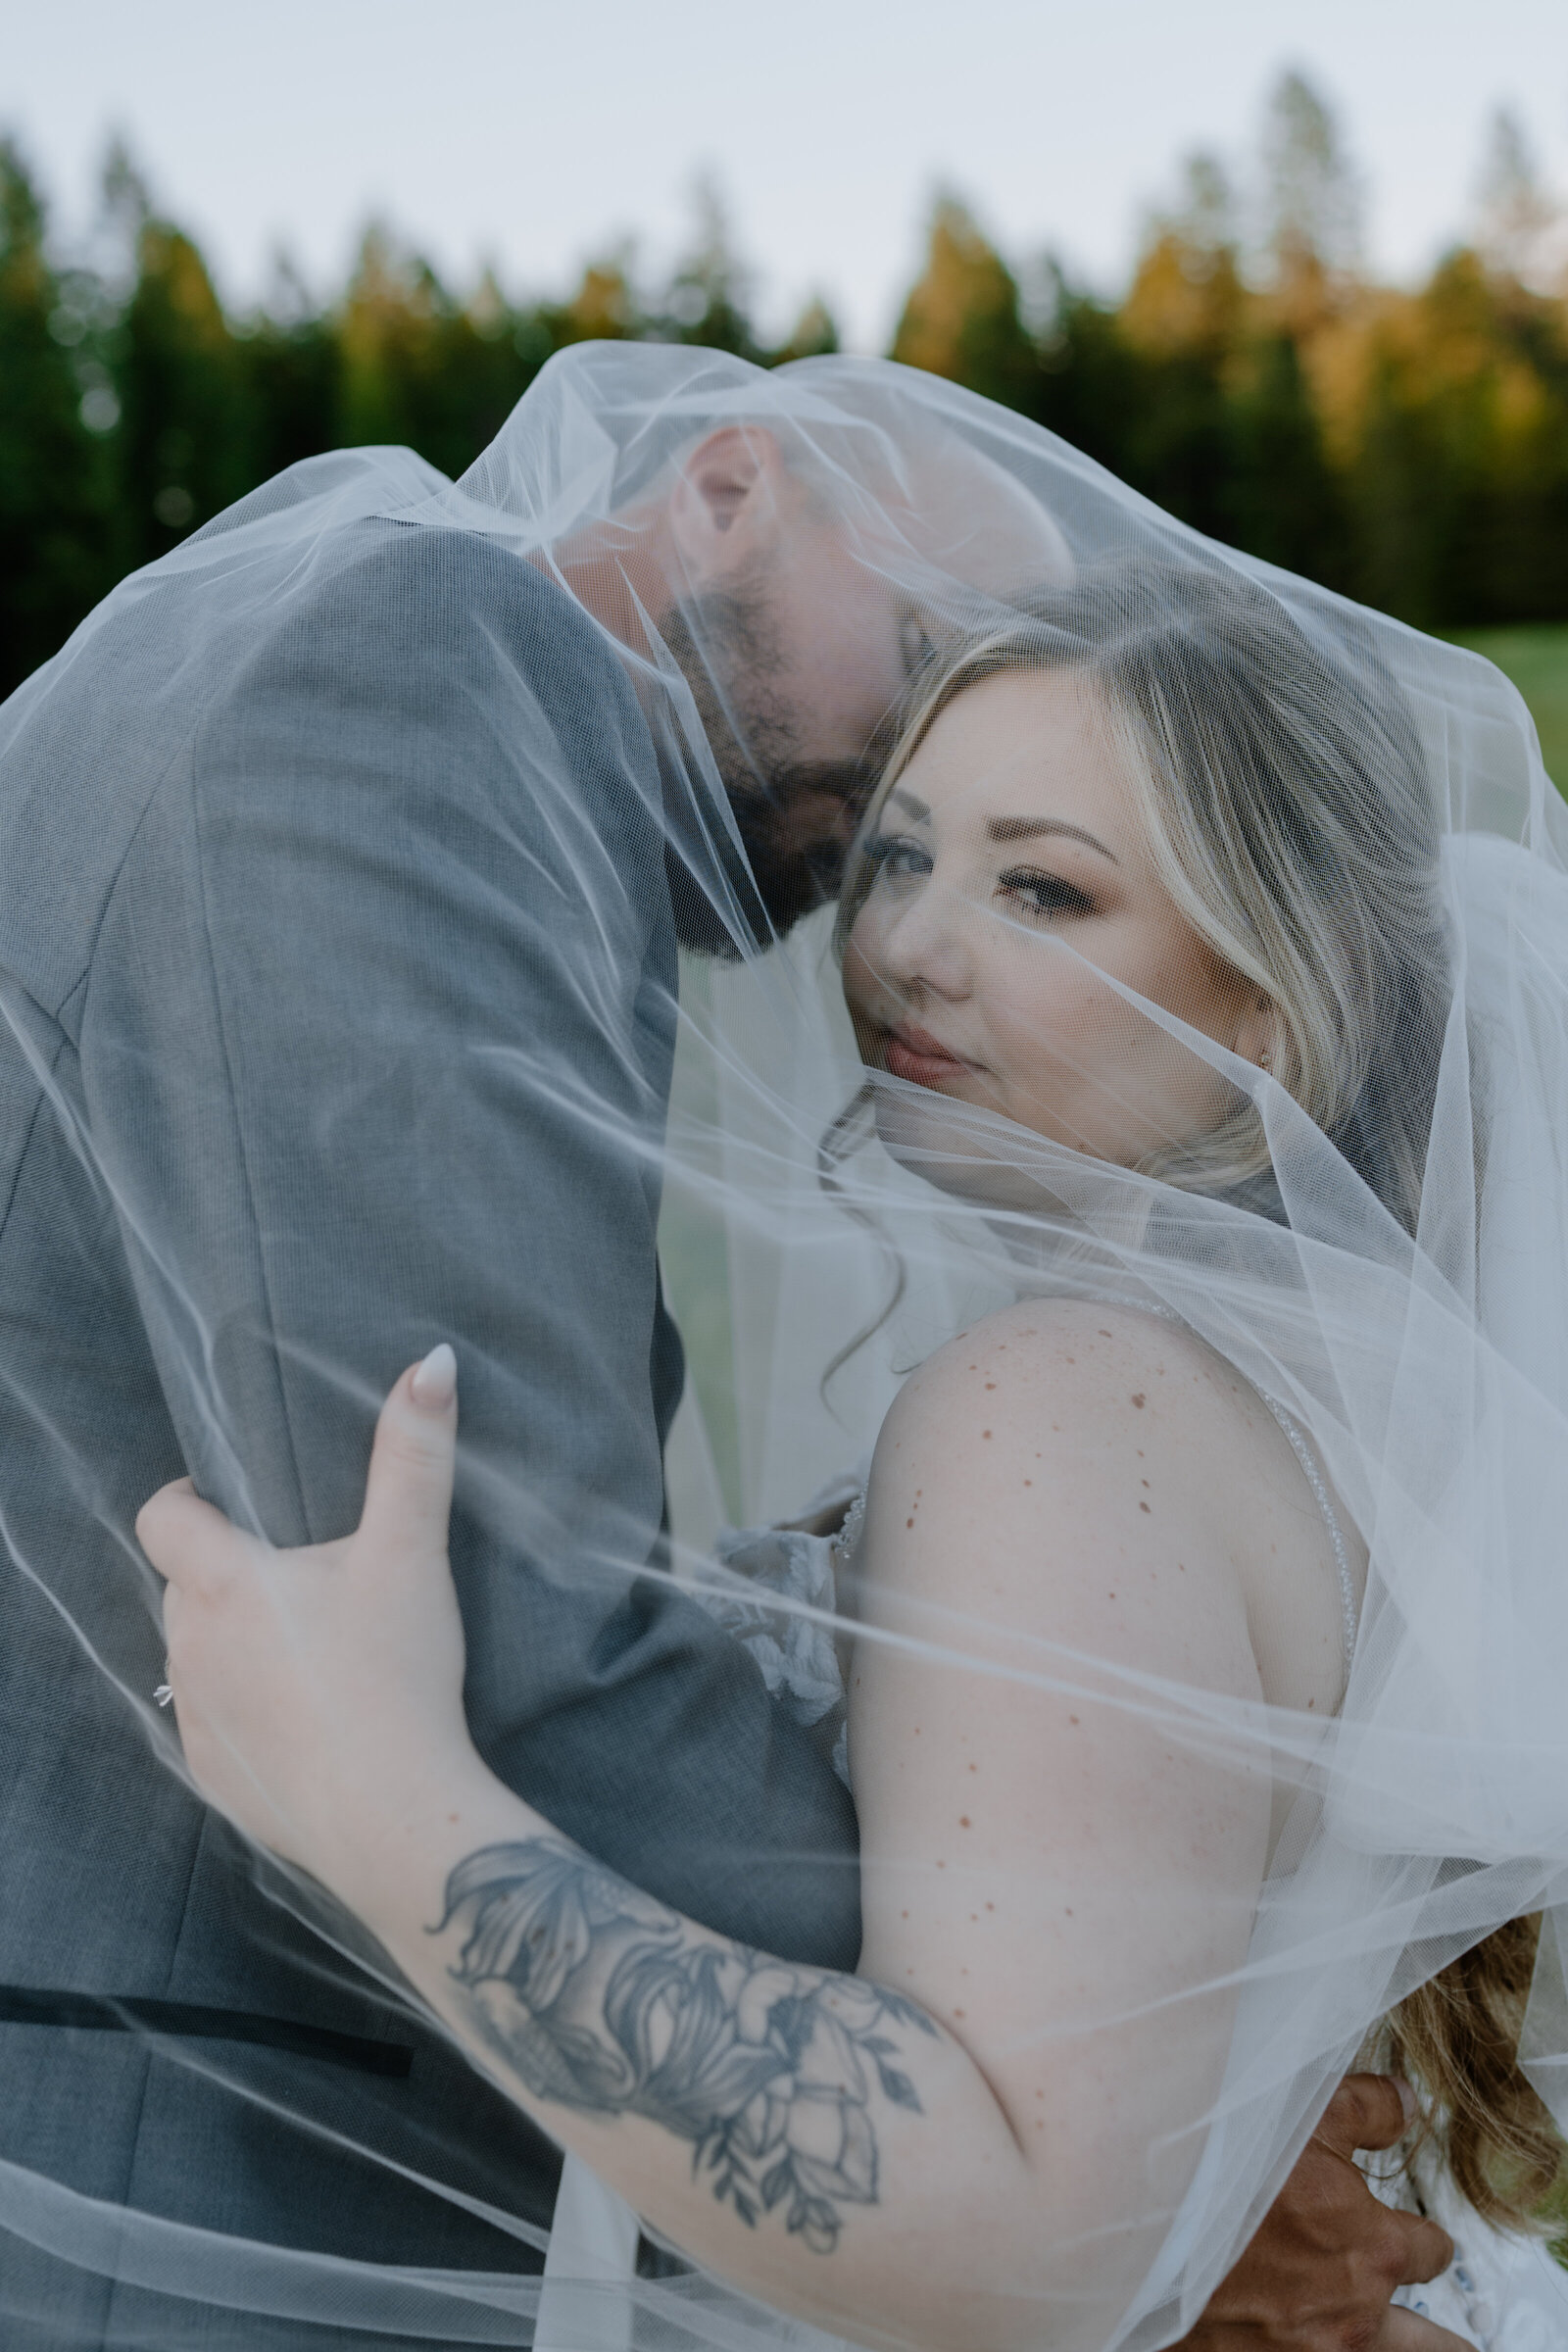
(599, 1997)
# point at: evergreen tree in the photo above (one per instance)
(1181, 321)
(418, 367)
(186, 447)
(604, 310)
(294, 359)
(55, 487)
(813, 336)
(1312, 202)
(1280, 498)
(962, 318)
(1517, 216)
(1411, 446)
(708, 300)
(1093, 383)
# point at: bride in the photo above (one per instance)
(1182, 999)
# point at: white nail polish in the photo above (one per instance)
(435, 1381)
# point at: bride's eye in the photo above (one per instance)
(896, 855)
(914, 645)
(1042, 894)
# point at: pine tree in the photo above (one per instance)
(55, 487)
(962, 318)
(709, 298)
(1519, 222)
(1312, 202)
(813, 336)
(185, 448)
(294, 361)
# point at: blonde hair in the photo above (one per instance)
(1457, 2036)
(1291, 815)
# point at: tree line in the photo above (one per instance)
(1407, 445)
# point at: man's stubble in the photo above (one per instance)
(795, 816)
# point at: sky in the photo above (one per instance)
(536, 136)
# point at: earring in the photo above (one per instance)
(1265, 1061)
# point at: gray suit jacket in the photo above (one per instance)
(282, 968)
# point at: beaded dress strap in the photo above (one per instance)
(1305, 1454)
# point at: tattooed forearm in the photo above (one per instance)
(599, 1997)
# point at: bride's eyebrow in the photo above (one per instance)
(912, 808)
(1027, 828)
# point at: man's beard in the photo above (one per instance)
(795, 816)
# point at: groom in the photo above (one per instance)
(325, 988)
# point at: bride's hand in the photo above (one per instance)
(319, 1691)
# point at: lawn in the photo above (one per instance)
(1537, 660)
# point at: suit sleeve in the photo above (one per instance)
(375, 1052)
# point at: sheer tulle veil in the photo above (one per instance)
(1386, 1259)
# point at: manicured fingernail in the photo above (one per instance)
(1408, 2101)
(435, 1381)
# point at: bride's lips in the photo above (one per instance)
(915, 1055)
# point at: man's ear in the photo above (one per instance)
(724, 511)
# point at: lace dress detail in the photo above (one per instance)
(775, 1589)
(1305, 1452)
(846, 1542)
(1503, 2292)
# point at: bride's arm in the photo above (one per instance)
(914, 2172)
(1047, 1865)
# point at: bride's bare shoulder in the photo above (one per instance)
(1109, 1431)
(1093, 1369)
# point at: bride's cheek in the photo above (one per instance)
(858, 954)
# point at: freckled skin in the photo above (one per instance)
(1081, 1800)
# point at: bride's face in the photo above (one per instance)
(1014, 833)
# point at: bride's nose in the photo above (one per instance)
(928, 946)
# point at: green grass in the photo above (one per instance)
(1536, 659)
(1556, 2209)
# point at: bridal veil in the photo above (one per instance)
(1386, 1259)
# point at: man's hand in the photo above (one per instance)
(1318, 2276)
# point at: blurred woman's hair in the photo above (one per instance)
(1287, 806)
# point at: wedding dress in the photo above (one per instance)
(1393, 1283)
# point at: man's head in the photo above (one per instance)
(802, 598)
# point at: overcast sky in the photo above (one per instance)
(536, 135)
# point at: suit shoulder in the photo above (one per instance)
(417, 595)
(437, 656)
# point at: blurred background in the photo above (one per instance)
(1302, 275)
